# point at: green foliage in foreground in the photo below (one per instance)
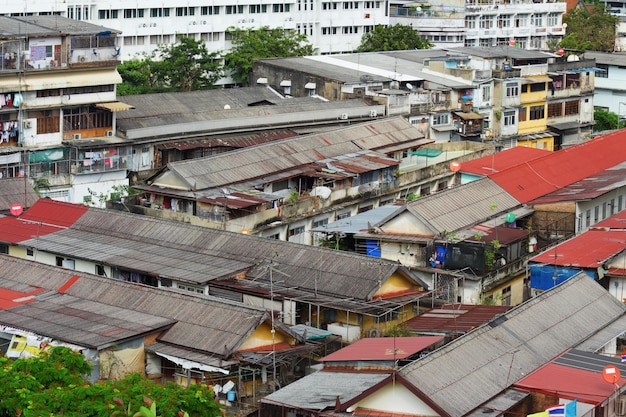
(53, 385)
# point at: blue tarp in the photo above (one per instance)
(542, 275)
(373, 249)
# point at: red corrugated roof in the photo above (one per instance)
(544, 175)
(501, 161)
(454, 318)
(54, 212)
(568, 382)
(10, 298)
(382, 348)
(44, 217)
(587, 250)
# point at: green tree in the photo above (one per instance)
(392, 38)
(137, 78)
(606, 120)
(590, 30)
(265, 42)
(187, 65)
(53, 384)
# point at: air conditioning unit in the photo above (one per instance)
(76, 136)
(28, 124)
(343, 116)
(373, 113)
(108, 133)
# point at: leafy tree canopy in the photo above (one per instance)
(186, 65)
(265, 42)
(53, 385)
(392, 38)
(590, 30)
(606, 120)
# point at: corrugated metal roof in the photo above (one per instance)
(590, 249)
(468, 371)
(198, 254)
(501, 161)
(362, 222)
(16, 191)
(382, 348)
(588, 188)
(463, 206)
(263, 160)
(575, 375)
(59, 23)
(556, 170)
(454, 318)
(204, 324)
(604, 336)
(321, 390)
(229, 141)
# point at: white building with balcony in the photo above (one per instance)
(331, 26)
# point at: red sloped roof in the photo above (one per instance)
(44, 217)
(10, 298)
(501, 161)
(541, 176)
(587, 250)
(382, 348)
(456, 318)
(569, 382)
(54, 212)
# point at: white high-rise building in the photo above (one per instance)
(332, 26)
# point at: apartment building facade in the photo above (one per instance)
(58, 82)
(331, 26)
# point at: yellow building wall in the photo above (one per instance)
(544, 143)
(17, 251)
(262, 336)
(516, 285)
(533, 126)
(395, 284)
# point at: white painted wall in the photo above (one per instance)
(395, 398)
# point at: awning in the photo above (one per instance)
(39, 81)
(49, 155)
(115, 106)
(14, 158)
(187, 364)
(261, 80)
(469, 115)
(309, 86)
(285, 83)
(535, 80)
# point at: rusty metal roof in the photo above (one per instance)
(263, 160)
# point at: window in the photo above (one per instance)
(605, 71)
(190, 288)
(537, 112)
(486, 22)
(512, 90)
(425, 190)
(504, 21)
(329, 6)
(296, 231)
(274, 236)
(159, 12)
(281, 8)
(30, 252)
(509, 118)
(571, 107)
(100, 270)
(210, 10)
(486, 92)
(470, 22)
(48, 121)
(347, 5)
(537, 20)
(596, 214)
(320, 222)
(506, 296)
(521, 115)
(258, 8)
(555, 109)
(441, 119)
(537, 87)
(343, 215)
(107, 14)
(521, 20)
(588, 218)
(553, 19)
(133, 13)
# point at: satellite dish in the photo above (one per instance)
(322, 192)
(227, 107)
(409, 86)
